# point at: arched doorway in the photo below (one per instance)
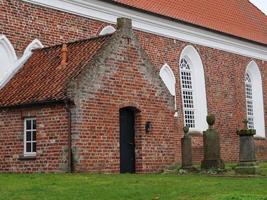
(127, 143)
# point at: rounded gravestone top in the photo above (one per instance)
(210, 119)
(186, 130)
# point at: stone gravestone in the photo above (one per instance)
(247, 152)
(211, 145)
(186, 150)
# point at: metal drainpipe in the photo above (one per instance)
(70, 170)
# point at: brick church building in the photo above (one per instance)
(107, 86)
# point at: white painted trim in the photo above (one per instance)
(35, 44)
(8, 57)
(24, 138)
(108, 12)
(107, 30)
(168, 78)
(257, 97)
(9, 48)
(15, 63)
(199, 88)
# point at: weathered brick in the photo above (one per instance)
(95, 119)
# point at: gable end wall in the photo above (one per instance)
(122, 77)
(224, 72)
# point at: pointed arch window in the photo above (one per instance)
(249, 101)
(254, 99)
(187, 93)
(193, 90)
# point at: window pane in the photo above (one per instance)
(187, 93)
(28, 136)
(34, 136)
(28, 124)
(249, 101)
(34, 124)
(34, 147)
(28, 147)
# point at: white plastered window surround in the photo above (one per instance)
(107, 30)
(258, 122)
(193, 90)
(9, 62)
(169, 80)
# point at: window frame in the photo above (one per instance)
(257, 96)
(199, 87)
(191, 90)
(32, 153)
(249, 100)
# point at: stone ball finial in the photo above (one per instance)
(210, 120)
(186, 130)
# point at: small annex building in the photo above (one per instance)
(107, 86)
(89, 105)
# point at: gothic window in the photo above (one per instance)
(193, 90)
(249, 101)
(254, 99)
(187, 93)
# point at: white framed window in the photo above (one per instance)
(249, 101)
(187, 93)
(193, 90)
(29, 136)
(254, 99)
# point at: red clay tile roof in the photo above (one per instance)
(41, 79)
(235, 17)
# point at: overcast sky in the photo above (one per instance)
(261, 4)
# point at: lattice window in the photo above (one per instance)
(30, 136)
(249, 101)
(187, 93)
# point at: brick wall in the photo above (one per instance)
(224, 77)
(52, 137)
(122, 77)
(23, 22)
(261, 149)
(224, 72)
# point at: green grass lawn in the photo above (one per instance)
(124, 187)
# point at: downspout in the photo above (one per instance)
(63, 63)
(70, 163)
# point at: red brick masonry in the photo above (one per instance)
(126, 80)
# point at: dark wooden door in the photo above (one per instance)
(127, 146)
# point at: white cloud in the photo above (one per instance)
(261, 4)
